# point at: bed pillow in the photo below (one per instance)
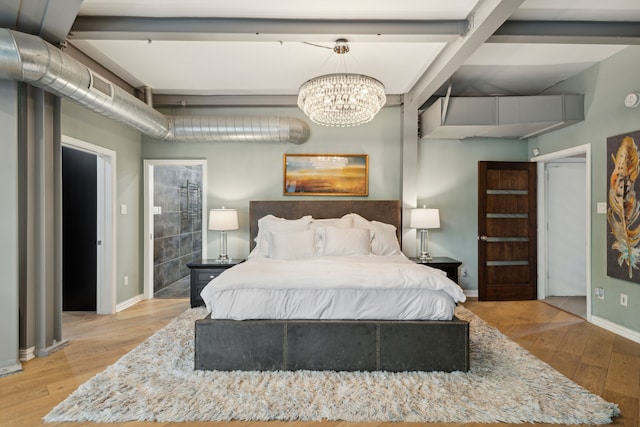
(272, 223)
(344, 222)
(336, 241)
(385, 239)
(291, 244)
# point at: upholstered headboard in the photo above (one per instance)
(388, 211)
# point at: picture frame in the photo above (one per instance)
(623, 206)
(326, 174)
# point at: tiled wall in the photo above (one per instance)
(178, 229)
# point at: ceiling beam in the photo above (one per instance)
(568, 32)
(260, 29)
(486, 19)
(49, 19)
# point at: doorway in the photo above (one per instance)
(79, 230)
(103, 239)
(564, 200)
(174, 224)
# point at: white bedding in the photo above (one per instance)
(325, 287)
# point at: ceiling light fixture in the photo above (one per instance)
(341, 99)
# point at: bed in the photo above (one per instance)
(312, 317)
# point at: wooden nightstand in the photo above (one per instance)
(448, 265)
(202, 271)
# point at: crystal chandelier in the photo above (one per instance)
(341, 99)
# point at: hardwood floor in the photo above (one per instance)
(602, 362)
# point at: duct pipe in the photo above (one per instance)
(238, 128)
(28, 58)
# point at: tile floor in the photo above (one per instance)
(179, 289)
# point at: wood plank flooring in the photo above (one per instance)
(602, 362)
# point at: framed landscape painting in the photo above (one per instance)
(326, 174)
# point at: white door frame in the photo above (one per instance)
(148, 166)
(542, 216)
(106, 222)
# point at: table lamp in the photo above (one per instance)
(223, 220)
(424, 219)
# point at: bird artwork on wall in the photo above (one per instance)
(623, 212)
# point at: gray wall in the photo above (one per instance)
(9, 229)
(239, 172)
(93, 128)
(605, 86)
(448, 180)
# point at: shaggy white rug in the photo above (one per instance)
(156, 382)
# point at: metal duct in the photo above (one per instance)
(28, 58)
(238, 128)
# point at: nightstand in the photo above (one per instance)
(448, 265)
(202, 271)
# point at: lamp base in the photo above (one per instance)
(425, 257)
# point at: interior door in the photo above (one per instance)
(79, 230)
(507, 231)
(567, 225)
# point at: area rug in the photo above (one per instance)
(156, 382)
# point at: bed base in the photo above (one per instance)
(341, 345)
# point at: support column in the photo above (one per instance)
(9, 323)
(409, 172)
(41, 272)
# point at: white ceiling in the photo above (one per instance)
(176, 57)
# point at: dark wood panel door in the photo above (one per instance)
(507, 231)
(79, 230)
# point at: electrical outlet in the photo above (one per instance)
(463, 272)
(623, 300)
(599, 292)
(126, 280)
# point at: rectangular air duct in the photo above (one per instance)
(500, 116)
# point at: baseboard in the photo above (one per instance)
(470, 293)
(27, 354)
(129, 303)
(55, 346)
(11, 369)
(616, 329)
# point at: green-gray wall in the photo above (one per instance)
(239, 172)
(604, 86)
(87, 126)
(448, 180)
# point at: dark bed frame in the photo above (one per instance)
(340, 345)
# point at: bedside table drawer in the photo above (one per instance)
(202, 272)
(205, 276)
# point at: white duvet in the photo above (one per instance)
(353, 287)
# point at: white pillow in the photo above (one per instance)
(344, 222)
(291, 244)
(344, 241)
(272, 223)
(385, 239)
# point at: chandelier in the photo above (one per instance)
(341, 99)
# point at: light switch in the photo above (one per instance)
(123, 209)
(157, 210)
(601, 207)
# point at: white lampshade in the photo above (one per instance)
(425, 218)
(223, 219)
